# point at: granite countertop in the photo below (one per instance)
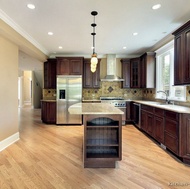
(94, 108)
(170, 107)
(46, 100)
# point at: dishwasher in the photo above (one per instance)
(137, 114)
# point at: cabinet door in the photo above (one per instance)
(76, 66)
(185, 138)
(159, 129)
(143, 71)
(186, 61)
(135, 73)
(147, 70)
(126, 69)
(62, 66)
(50, 74)
(143, 120)
(48, 114)
(87, 76)
(178, 60)
(150, 124)
(91, 80)
(172, 135)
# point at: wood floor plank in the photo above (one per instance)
(50, 157)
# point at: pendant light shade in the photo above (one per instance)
(94, 59)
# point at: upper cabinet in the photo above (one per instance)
(182, 55)
(90, 79)
(69, 65)
(50, 74)
(135, 73)
(147, 63)
(126, 69)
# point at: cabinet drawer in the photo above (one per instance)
(147, 108)
(172, 115)
(159, 112)
(172, 127)
(172, 143)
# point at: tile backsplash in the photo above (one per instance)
(115, 89)
(112, 89)
(49, 94)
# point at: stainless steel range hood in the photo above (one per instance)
(111, 69)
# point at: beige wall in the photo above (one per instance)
(8, 88)
(27, 86)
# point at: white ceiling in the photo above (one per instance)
(70, 21)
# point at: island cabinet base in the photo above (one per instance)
(102, 145)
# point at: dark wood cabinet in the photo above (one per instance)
(135, 73)
(126, 73)
(159, 121)
(50, 74)
(69, 65)
(170, 129)
(147, 119)
(90, 79)
(171, 133)
(102, 140)
(184, 139)
(147, 70)
(182, 55)
(48, 112)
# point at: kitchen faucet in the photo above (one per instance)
(167, 100)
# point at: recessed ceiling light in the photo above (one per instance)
(157, 6)
(135, 33)
(124, 47)
(31, 6)
(60, 47)
(50, 33)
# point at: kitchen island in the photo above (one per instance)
(102, 141)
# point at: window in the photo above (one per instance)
(165, 75)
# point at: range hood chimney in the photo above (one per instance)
(111, 69)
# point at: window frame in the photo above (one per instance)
(167, 49)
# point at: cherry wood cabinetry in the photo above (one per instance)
(102, 140)
(182, 55)
(147, 117)
(135, 73)
(69, 65)
(184, 139)
(170, 128)
(50, 74)
(159, 121)
(126, 73)
(171, 133)
(90, 79)
(48, 112)
(147, 70)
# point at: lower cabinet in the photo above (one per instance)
(171, 133)
(48, 112)
(102, 140)
(184, 140)
(169, 128)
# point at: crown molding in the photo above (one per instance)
(17, 28)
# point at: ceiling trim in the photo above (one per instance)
(17, 28)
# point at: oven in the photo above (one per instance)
(118, 102)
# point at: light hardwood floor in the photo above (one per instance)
(48, 156)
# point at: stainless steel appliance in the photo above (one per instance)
(118, 102)
(137, 114)
(69, 92)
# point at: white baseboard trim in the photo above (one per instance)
(8, 141)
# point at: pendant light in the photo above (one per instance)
(94, 59)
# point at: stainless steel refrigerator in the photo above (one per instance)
(69, 92)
